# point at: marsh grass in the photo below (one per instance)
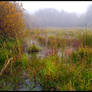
(52, 73)
(72, 71)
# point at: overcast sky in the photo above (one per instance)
(69, 6)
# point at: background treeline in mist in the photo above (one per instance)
(53, 18)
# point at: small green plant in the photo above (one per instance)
(24, 61)
(33, 48)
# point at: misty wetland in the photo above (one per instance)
(45, 46)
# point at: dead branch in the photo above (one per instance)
(5, 66)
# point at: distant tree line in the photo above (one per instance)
(52, 18)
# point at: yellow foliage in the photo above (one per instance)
(11, 20)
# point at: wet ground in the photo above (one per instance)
(28, 85)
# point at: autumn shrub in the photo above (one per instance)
(11, 30)
(12, 23)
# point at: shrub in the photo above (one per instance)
(12, 23)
